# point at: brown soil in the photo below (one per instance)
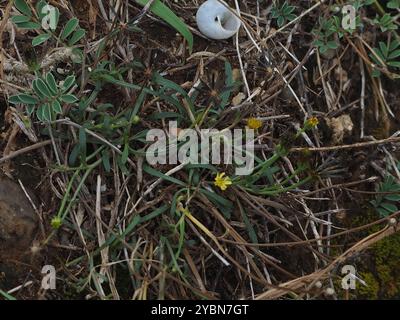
(18, 222)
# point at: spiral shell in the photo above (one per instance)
(216, 21)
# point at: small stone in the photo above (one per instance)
(18, 221)
(330, 291)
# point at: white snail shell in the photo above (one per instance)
(215, 21)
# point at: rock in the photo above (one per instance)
(18, 220)
(340, 127)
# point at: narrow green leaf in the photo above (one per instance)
(51, 83)
(22, 7)
(105, 157)
(43, 89)
(29, 25)
(165, 13)
(78, 35)
(40, 39)
(82, 143)
(393, 197)
(14, 99)
(6, 295)
(69, 28)
(30, 109)
(394, 54)
(57, 107)
(27, 99)
(68, 83)
(394, 45)
(69, 98)
(389, 207)
(43, 113)
(384, 49)
(125, 153)
(20, 19)
(158, 174)
(383, 212)
(395, 64)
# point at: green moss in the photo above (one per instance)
(380, 269)
(371, 291)
(387, 262)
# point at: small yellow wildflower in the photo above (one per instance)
(254, 123)
(222, 182)
(312, 122)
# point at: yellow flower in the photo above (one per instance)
(312, 122)
(56, 222)
(254, 123)
(222, 182)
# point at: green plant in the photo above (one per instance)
(393, 4)
(165, 13)
(46, 97)
(386, 55)
(283, 13)
(325, 37)
(388, 197)
(32, 20)
(385, 22)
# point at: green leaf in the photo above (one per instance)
(56, 107)
(20, 19)
(395, 64)
(165, 13)
(27, 99)
(323, 49)
(69, 28)
(125, 154)
(42, 88)
(384, 49)
(394, 45)
(158, 174)
(57, 19)
(69, 81)
(383, 212)
(29, 25)
(51, 83)
(43, 113)
(389, 207)
(23, 7)
(393, 4)
(82, 143)
(30, 109)
(105, 157)
(78, 35)
(69, 98)
(249, 226)
(39, 7)
(393, 197)
(6, 295)
(73, 155)
(394, 54)
(14, 99)
(332, 45)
